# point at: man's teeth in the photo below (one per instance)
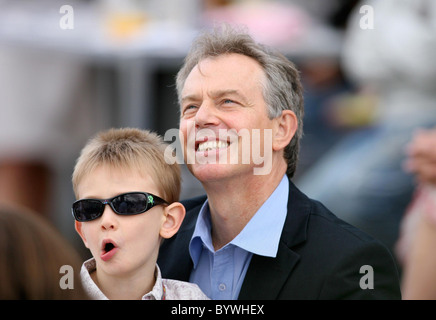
(211, 145)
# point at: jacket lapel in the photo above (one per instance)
(266, 276)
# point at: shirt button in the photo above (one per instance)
(222, 287)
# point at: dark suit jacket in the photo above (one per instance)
(319, 257)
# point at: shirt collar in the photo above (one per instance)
(94, 292)
(202, 234)
(260, 236)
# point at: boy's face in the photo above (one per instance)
(136, 237)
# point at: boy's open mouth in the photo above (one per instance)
(108, 249)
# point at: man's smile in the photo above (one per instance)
(212, 145)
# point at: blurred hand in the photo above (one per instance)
(421, 156)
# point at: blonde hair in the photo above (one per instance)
(134, 149)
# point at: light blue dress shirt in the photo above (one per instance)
(220, 273)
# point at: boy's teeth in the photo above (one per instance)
(211, 145)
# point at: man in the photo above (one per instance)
(255, 235)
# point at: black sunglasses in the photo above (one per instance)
(130, 203)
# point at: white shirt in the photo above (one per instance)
(163, 289)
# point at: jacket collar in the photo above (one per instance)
(266, 276)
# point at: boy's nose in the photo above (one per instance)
(109, 219)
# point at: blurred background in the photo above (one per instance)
(68, 70)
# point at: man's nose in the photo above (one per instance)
(207, 115)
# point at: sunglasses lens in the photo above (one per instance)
(130, 203)
(87, 210)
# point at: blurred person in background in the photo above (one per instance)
(32, 256)
(41, 92)
(421, 160)
(415, 247)
(392, 60)
(36, 93)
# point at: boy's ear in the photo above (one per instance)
(286, 126)
(173, 218)
(78, 227)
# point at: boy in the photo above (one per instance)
(121, 180)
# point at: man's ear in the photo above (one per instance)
(285, 128)
(173, 218)
(78, 227)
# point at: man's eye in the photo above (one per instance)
(189, 109)
(228, 101)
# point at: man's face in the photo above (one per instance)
(224, 121)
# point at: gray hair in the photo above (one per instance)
(282, 89)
